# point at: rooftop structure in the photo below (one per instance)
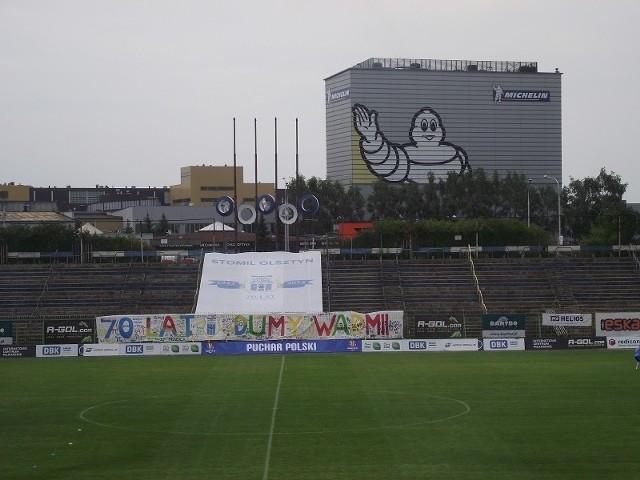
(450, 65)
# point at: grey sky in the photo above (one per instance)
(125, 92)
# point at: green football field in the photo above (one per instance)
(484, 415)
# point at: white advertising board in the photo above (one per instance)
(618, 324)
(502, 344)
(99, 350)
(170, 348)
(422, 345)
(623, 342)
(567, 319)
(64, 350)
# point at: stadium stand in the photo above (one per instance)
(95, 289)
(31, 292)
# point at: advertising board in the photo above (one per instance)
(17, 351)
(6, 332)
(623, 342)
(62, 350)
(68, 331)
(502, 344)
(420, 345)
(437, 326)
(618, 324)
(565, 343)
(567, 319)
(281, 347)
(510, 325)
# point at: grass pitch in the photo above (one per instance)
(504, 415)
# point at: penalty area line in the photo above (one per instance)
(267, 459)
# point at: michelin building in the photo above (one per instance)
(403, 120)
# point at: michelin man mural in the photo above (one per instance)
(395, 162)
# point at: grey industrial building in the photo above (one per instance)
(403, 119)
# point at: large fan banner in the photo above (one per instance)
(205, 327)
(256, 282)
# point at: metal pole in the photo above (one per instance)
(275, 218)
(619, 236)
(235, 191)
(286, 225)
(528, 205)
(255, 168)
(559, 213)
(141, 249)
(297, 193)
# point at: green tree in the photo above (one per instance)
(594, 204)
(386, 201)
(147, 225)
(163, 226)
(263, 238)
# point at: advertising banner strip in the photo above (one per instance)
(267, 326)
(565, 343)
(281, 347)
(567, 319)
(169, 348)
(427, 345)
(618, 324)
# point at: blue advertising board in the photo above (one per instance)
(281, 347)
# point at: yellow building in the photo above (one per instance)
(203, 185)
(14, 193)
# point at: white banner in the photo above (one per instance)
(188, 327)
(64, 350)
(623, 342)
(502, 344)
(428, 345)
(618, 324)
(177, 348)
(261, 282)
(567, 319)
(99, 350)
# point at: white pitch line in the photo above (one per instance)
(273, 423)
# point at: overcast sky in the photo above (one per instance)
(125, 92)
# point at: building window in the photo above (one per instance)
(216, 189)
(85, 196)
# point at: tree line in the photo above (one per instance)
(592, 210)
(472, 208)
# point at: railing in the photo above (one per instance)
(476, 281)
(191, 256)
